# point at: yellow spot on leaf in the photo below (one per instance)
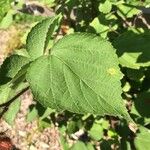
(112, 71)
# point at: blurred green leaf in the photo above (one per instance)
(5, 6)
(64, 143)
(134, 74)
(42, 124)
(72, 127)
(90, 146)
(12, 111)
(105, 145)
(133, 49)
(47, 112)
(7, 20)
(96, 132)
(125, 145)
(32, 114)
(142, 139)
(79, 146)
(105, 7)
(5, 91)
(127, 11)
(142, 104)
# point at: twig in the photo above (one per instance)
(7, 104)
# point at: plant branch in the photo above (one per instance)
(7, 104)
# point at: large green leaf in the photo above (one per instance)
(81, 75)
(133, 49)
(38, 37)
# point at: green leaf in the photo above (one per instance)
(78, 77)
(100, 27)
(64, 143)
(7, 20)
(38, 37)
(32, 114)
(72, 127)
(105, 7)
(96, 132)
(104, 24)
(12, 111)
(90, 146)
(142, 104)
(142, 139)
(5, 5)
(8, 91)
(21, 52)
(47, 112)
(79, 146)
(11, 66)
(133, 49)
(127, 11)
(125, 145)
(4, 93)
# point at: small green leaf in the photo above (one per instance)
(96, 132)
(38, 37)
(100, 27)
(8, 91)
(5, 5)
(127, 11)
(76, 75)
(4, 93)
(12, 111)
(72, 127)
(32, 114)
(104, 24)
(47, 112)
(7, 20)
(105, 7)
(11, 66)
